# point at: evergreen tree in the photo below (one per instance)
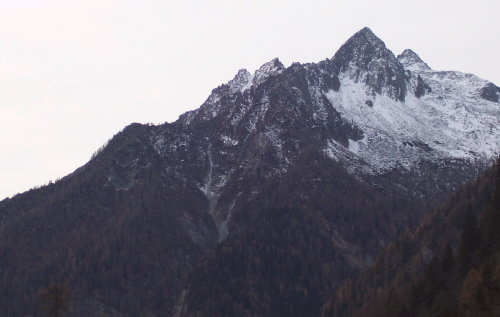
(448, 261)
(55, 299)
(470, 240)
(490, 221)
(396, 306)
(471, 296)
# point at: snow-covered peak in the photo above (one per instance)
(365, 58)
(366, 34)
(412, 62)
(270, 68)
(242, 79)
(363, 45)
(394, 119)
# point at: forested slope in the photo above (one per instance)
(448, 266)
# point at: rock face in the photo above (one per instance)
(392, 123)
(365, 59)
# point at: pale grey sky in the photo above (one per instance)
(75, 72)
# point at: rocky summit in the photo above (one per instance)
(288, 178)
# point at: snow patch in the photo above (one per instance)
(458, 125)
(228, 141)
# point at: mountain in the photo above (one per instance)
(284, 183)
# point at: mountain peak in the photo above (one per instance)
(365, 58)
(270, 68)
(240, 81)
(367, 35)
(411, 61)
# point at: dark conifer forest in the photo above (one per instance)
(448, 266)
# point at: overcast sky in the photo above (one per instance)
(75, 72)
